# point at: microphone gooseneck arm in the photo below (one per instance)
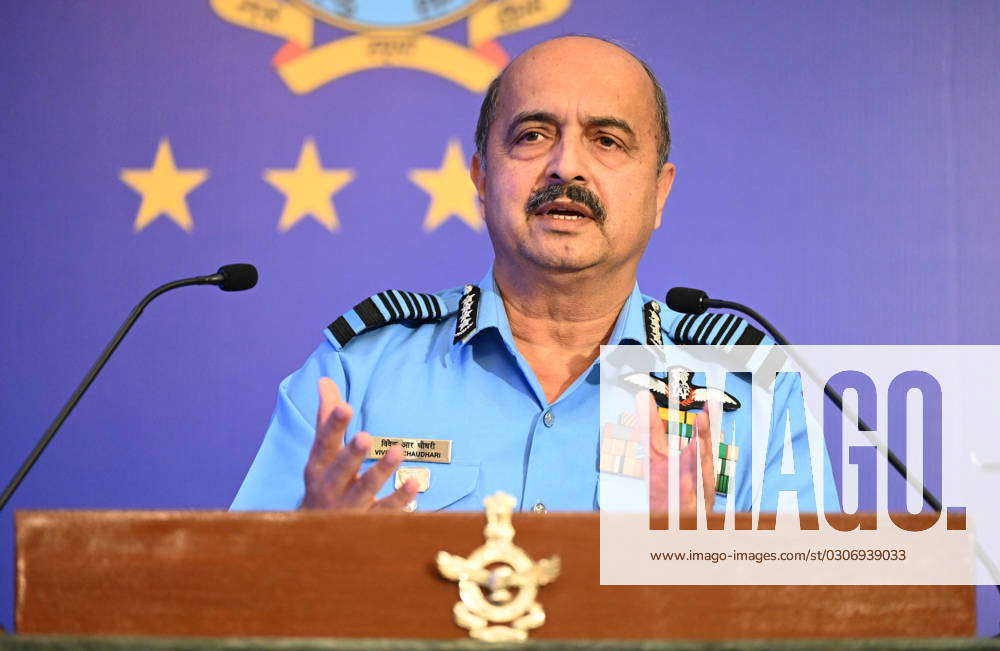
(696, 302)
(703, 302)
(43, 442)
(929, 498)
(753, 314)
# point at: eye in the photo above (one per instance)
(608, 142)
(530, 136)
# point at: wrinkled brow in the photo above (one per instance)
(545, 117)
(531, 116)
(608, 121)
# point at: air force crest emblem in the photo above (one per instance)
(388, 34)
(498, 583)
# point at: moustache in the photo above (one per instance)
(573, 192)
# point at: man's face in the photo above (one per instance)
(574, 114)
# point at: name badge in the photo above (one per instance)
(427, 450)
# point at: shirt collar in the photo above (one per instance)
(629, 327)
(491, 311)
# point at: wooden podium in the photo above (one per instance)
(295, 574)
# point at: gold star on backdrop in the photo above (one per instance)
(163, 188)
(452, 192)
(308, 189)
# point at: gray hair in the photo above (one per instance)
(488, 109)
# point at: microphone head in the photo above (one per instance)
(687, 300)
(237, 277)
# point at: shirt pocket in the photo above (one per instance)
(449, 483)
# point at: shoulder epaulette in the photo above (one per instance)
(390, 306)
(714, 330)
(756, 352)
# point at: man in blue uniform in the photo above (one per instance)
(494, 386)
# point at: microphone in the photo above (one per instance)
(695, 301)
(232, 277)
(229, 278)
(687, 300)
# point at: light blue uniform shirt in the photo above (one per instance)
(411, 380)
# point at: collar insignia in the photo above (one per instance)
(651, 318)
(468, 311)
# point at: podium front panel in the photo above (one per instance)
(308, 574)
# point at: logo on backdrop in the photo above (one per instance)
(389, 34)
(385, 34)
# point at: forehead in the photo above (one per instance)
(578, 77)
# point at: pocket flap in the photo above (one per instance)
(448, 484)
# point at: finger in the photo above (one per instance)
(362, 493)
(659, 458)
(342, 472)
(644, 403)
(400, 497)
(687, 466)
(703, 426)
(332, 419)
(697, 452)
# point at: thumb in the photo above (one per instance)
(644, 403)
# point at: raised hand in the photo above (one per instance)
(331, 474)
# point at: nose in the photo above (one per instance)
(567, 163)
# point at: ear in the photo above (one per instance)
(664, 181)
(477, 172)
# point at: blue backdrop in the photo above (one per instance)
(837, 169)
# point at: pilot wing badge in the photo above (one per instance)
(679, 389)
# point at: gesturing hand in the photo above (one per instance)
(331, 474)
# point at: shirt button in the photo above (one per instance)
(539, 508)
(548, 419)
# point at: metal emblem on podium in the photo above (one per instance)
(498, 582)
